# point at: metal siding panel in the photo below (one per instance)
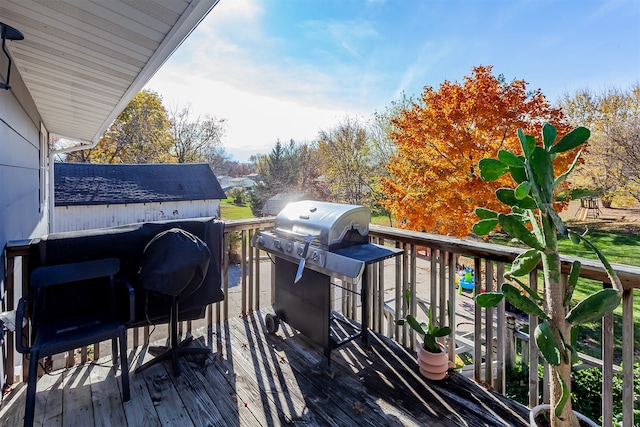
(20, 216)
(71, 218)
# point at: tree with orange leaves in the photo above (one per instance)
(434, 183)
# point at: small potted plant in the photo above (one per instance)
(432, 357)
(534, 222)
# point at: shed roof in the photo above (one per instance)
(101, 184)
(275, 204)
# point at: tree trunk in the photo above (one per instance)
(555, 290)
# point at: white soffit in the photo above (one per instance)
(84, 60)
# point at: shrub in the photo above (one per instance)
(586, 390)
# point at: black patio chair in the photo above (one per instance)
(71, 306)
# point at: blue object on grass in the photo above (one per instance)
(467, 281)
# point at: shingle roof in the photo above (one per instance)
(101, 184)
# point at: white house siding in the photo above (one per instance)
(22, 214)
(72, 218)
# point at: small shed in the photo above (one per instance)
(89, 195)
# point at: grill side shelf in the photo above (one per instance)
(368, 252)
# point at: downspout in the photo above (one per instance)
(84, 145)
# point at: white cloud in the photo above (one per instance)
(224, 69)
(254, 121)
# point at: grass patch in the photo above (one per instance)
(381, 220)
(619, 246)
(230, 211)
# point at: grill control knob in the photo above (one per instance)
(277, 244)
(315, 255)
(300, 250)
(289, 247)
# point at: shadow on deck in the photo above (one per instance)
(257, 379)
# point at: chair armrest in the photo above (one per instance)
(129, 299)
(74, 272)
(19, 322)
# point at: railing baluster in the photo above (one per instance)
(381, 286)
(406, 333)
(500, 382)
(607, 368)
(477, 316)
(412, 289)
(10, 298)
(374, 292)
(533, 351)
(627, 358)
(243, 261)
(488, 365)
(398, 297)
(510, 343)
(442, 285)
(249, 264)
(452, 298)
(257, 273)
(225, 274)
(433, 279)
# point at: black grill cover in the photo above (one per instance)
(127, 243)
(174, 263)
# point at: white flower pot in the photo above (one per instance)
(546, 407)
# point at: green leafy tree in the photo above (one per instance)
(346, 160)
(278, 171)
(310, 177)
(381, 128)
(140, 134)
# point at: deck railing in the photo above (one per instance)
(395, 276)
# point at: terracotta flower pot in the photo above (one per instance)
(546, 407)
(433, 366)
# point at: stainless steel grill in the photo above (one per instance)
(315, 244)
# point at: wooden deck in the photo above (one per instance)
(257, 379)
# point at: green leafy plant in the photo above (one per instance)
(534, 222)
(586, 395)
(427, 331)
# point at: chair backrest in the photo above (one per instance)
(65, 292)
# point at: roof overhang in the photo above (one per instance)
(83, 61)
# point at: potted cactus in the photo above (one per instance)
(534, 221)
(432, 357)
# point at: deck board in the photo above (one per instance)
(257, 379)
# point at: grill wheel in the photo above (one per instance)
(272, 323)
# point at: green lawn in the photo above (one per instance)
(229, 210)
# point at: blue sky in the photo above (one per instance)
(285, 69)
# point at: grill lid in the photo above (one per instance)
(331, 224)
